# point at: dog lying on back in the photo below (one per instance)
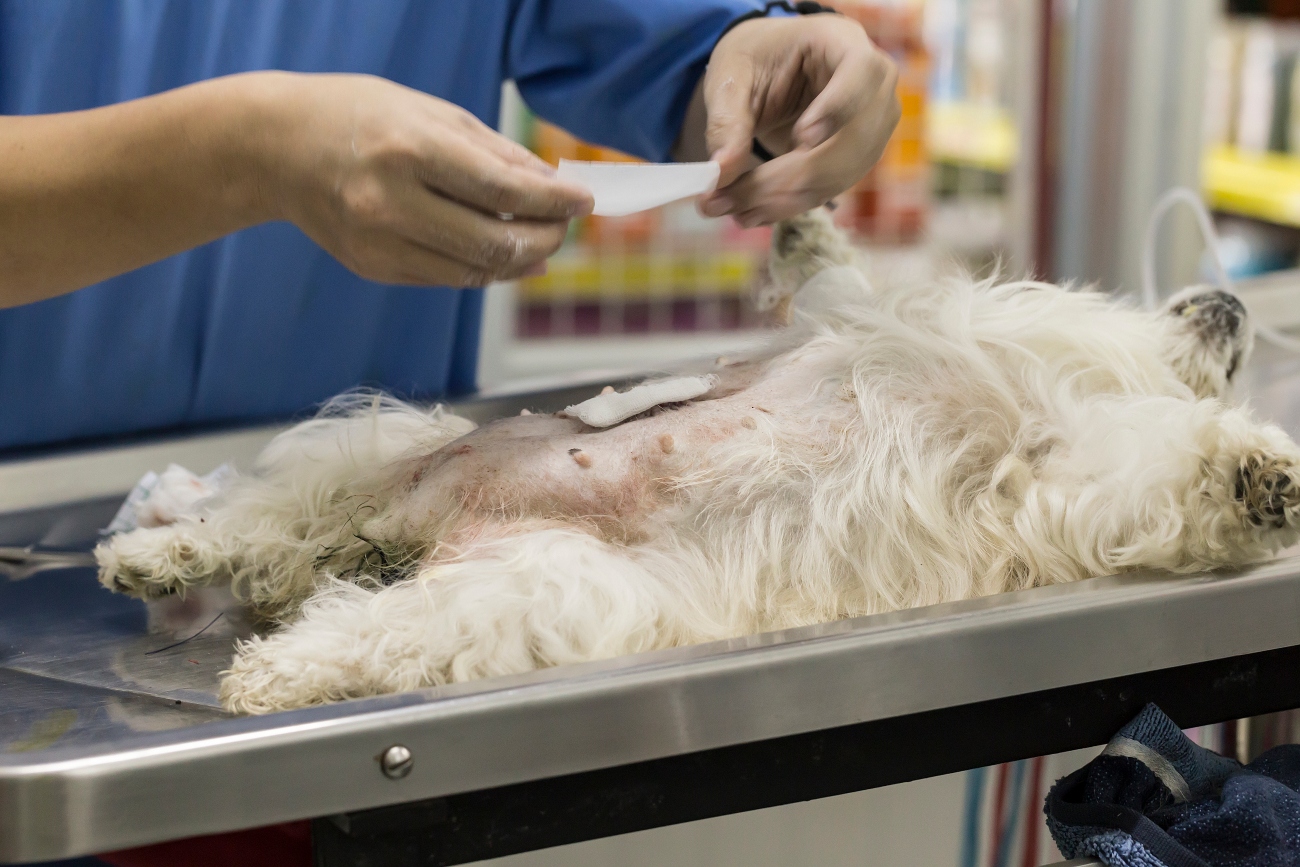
(890, 448)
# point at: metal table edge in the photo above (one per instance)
(472, 741)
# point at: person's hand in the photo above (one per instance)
(402, 187)
(813, 89)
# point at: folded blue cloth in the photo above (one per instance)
(1155, 799)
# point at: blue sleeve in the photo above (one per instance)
(619, 73)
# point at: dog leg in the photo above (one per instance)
(1162, 483)
(272, 541)
(803, 248)
(506, 605)
(1254, 487)
(354, 435)
(157, 561)
(274, 534)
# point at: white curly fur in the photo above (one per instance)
(894, 447)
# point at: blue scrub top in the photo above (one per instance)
(264, 324)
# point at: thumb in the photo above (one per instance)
(728, 105)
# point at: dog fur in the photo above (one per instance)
(892, 447)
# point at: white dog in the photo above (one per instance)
(891, 448)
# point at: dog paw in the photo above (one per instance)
(1267, 490)
(152, 563)
(255, 684)
(274, 673)
(801, 247)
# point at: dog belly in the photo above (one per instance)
(614, 480)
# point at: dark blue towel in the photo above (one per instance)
(1155, 799)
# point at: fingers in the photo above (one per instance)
(472, 178)
(782, 188)
(811, 176)
(842, 100)
(470, 247)
(841, 108)
(857, 128)
(728, 98)
(501, 188)
(389, 258)
(483, 136)
(475, 173)
(489, 245)
(515, 153)
(729, 135)
(403, 187)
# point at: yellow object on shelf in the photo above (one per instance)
(632, 276)
(1265, 186)
(971, 134)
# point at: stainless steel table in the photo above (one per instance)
(111, 736)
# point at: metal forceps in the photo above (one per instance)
(19, 563)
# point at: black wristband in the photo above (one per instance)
(802, 7)
(761, 152)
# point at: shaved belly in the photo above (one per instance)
(613, 480)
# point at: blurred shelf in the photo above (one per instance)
(971, 134)
(1265, 186)
(966, 224)
(584, 275)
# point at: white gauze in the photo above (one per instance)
(608, 409)
(625, 188)
(158, 500)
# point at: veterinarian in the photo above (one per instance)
(145, 153)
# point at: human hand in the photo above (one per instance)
(402, 187)
(813, 89)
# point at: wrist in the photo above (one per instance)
(775, 8)
(246, 114)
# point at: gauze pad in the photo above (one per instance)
(605, 410)
(625, 188)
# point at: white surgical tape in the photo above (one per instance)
(1151, 296)
(608, 409)
(625, 188)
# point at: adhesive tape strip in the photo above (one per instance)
(626, 188)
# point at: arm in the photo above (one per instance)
(401, 187)
(90, 194)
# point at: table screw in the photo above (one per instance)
(396, 762)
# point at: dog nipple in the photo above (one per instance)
(525, 412)
(580, 457)
(609, 389)
(666, 444)
(748, 422)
